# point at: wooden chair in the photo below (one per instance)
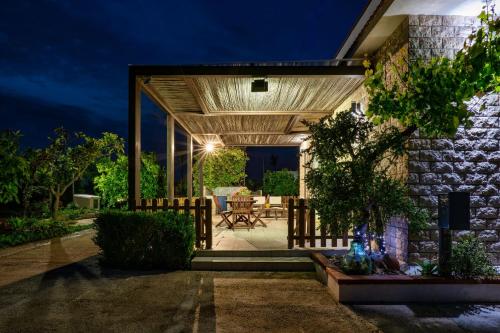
(242, 210)
(224, 214)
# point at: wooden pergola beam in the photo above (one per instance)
(197, 94)
(207, 70)
(189, 176)
(254, 113)
(134, 140)
(291, 124)
(170, 156)
(163, 105)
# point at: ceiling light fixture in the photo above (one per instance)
(259, 85)
(209, 147)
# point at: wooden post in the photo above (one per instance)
(323, 236)
(291, 210)
(345, 239)
(208, 224)
(170, 156)
(144, 205)
(176, 206)
(200, 177)
(154, 205)
(187, 203)
(312, 228)
(134, 140)
(302, 223)
(189, 175)
(197, 222)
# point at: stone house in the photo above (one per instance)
(468, 162)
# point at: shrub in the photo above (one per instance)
(469, 260)
(24, 230)
(145, 240)
(280, 183)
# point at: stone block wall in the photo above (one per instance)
(396, 239)
(469, 162)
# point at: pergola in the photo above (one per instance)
(215, 104)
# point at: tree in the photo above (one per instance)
(432, 96)
(280, 183)
(350, 185)
(223, 167)
(13, 166)
(112, 181)
(67, 157)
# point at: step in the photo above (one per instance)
(292, 264)
(268, 253)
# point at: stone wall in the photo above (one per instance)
(469, 162)
(396, 239)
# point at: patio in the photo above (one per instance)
(238, 105)
(272, 237)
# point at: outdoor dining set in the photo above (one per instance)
(247, 211)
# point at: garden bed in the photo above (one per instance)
(375, 288)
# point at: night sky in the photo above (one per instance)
(64, 63)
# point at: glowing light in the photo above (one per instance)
(209, 147)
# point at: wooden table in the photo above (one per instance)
(239, 217)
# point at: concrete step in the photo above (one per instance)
(227, 263)
(268, 253)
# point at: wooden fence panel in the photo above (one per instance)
(197, 222)
(301, 221)
(312, 228)
(302, 227)
(208, 224)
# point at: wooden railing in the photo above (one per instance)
(202, 213)
(302, 227)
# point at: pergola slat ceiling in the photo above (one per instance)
(293, 94)
(213, 108)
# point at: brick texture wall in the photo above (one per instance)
(469, 162)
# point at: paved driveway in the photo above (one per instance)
(60, 287)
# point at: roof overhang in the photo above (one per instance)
(381, 17)
(215, 103)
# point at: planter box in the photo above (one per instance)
(376, 289)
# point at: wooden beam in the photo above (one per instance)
(197, 94)
(200, 177)
(263, 145)
(254, 113)
(134, 140)
(189, 175)
(250, 71)
(162, 104)
(170, 157)
(222, 133)
(291, 124)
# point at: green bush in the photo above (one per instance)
(24, 230)
(469, 260)
(280, 183)
(145, 240)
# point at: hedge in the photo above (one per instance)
(140, 240)
(19, 230)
